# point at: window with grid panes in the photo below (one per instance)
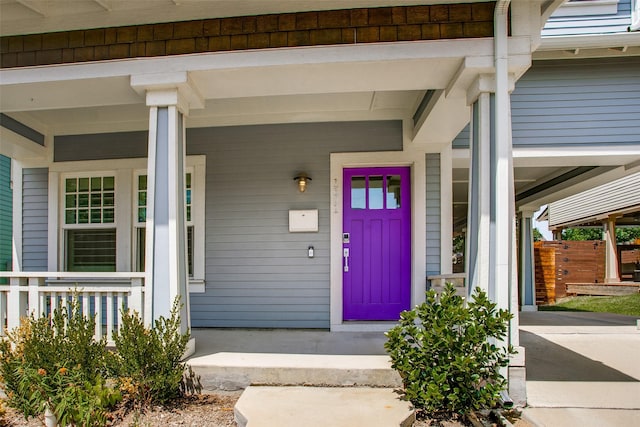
(89, 223)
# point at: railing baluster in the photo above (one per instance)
(109, 316)
(86, 303)
(97, 300)
(3, 312)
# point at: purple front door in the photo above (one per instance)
(376, 243)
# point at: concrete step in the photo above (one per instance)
(234, 371)
(321, 407)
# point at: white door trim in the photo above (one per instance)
(339, 161)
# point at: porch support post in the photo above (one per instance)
(526, 271)
(169, 97)
(611, 250)
(166, 226)
(446, 210)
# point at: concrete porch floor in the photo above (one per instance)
(231, 359)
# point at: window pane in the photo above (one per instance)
(91, 250)
(375, 192)
(358, 195)
(70, 201)
(96, 184)
(83, 200)
(108, 199)
(188, 213)
(108, 183)
(190, 250)
(70, 217)
(141, 235)
(393, 192)
(142, 198)
(188, 197)
(71, 185)
(142, 182)
(96, 200)
(83, 184)
(142, 214)
(188, 180)
(83, 216)
(108, 216)
(96, 216)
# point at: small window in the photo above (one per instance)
(393, 192)
(376, 192)
(358, 192)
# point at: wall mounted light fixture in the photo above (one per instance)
(302, 179)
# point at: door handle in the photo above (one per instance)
(345, 253)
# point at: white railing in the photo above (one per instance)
(102, 295)
(458, 280)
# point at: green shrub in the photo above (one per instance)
(147, 362)
(445, 352)
(54, 362)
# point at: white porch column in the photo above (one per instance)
(526, 272)
(491, 220)
(446, 210)
(169, 97)
(611, 274)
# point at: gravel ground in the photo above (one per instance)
(207, 410)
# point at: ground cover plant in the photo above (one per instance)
(447, 354)
(628, 305)
(53, 364)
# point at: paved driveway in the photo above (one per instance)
(583, 369)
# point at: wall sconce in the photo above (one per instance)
(302, 179)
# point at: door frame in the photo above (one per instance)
(416, 160)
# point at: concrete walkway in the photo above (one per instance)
(583, 369)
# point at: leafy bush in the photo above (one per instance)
(445, 352)
(147, 363)
(54, 362)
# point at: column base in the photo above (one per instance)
(190, 349)
(529, 308)
(518, 378)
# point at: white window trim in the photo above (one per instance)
(125, 203)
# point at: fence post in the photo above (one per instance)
(16, 302)
(34, 296)
(136, 299)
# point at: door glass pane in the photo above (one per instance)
(358, 195)
(375, 192)
(393, 192)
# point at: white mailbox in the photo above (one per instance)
(305, 221)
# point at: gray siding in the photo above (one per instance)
(433, 214)
(575, 103)
(119, 145)
(581, 102)
(257, 273)
(590, 24)
(35, 184)
(6, 213)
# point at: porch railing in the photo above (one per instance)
(458, 280)
(99, 294)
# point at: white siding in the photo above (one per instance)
(615, 196)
